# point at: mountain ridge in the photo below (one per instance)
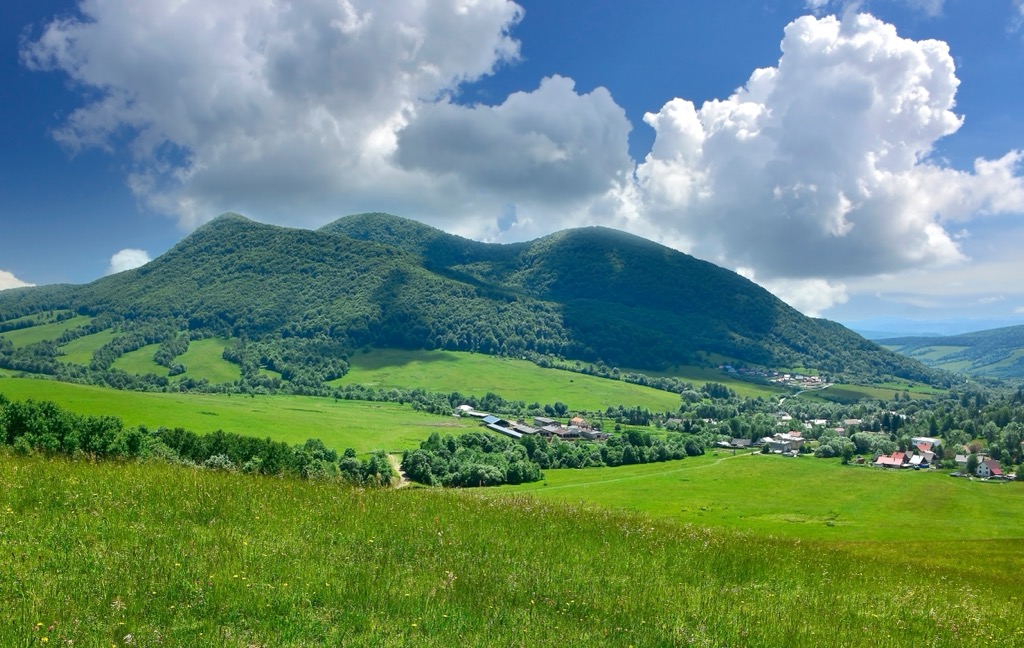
(374, 279)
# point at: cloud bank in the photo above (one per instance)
(819, 167)
(8, 280)
(815, 173)
(127, 259)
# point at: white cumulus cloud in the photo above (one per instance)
(809, 296)
(816, 173)
(127, 259)
(298, 113)
(819, 168)
(8, 280)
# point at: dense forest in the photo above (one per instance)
(299, 302)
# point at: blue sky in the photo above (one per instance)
(870, 169)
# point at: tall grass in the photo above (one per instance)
(102, 554)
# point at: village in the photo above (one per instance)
(794, 380)
(925, 452)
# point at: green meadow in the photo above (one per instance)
(700, 375)
(204, 360)
(363, 426)
(140, 361)
(803, 498)
(40, 333)
(80, 350)
(478, 374)
(153, 554)
(842, 393)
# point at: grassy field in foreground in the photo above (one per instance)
(344, 424)
(477, 374)
(33, 334)
(146, 554)
(803, 498)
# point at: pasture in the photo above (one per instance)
(364, 426)
(804, 498)
(844, 393)
(141, 362)
(146, 554)
(204, 361)
(80, 350)
(477, 374)
(42, 332)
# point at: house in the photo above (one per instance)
(961, 461)
(740, 443)
(925, 450)
(777, 445)
(794, 439)
(932, 441)
(543, 421)
(580, 422)
(895, 460)
(919, 461)
(989, 468)
(464, 409)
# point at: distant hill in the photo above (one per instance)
(883, 328)
(996, 353)
(299, 301)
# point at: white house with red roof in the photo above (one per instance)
(989, 468)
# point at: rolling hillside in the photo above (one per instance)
(996, 353)
(297, 303)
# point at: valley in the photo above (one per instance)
(246, 414)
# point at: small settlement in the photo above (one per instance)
(924, 453)
(578, 428)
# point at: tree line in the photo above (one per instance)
(43, 427)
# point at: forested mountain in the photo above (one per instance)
(303, 300)
(996, 353)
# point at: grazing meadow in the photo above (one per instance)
(42, 332)
(80, 350)
(477, 374)
(801, 498)
(361, 425)
(147, 553)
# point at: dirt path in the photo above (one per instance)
(396, 463)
